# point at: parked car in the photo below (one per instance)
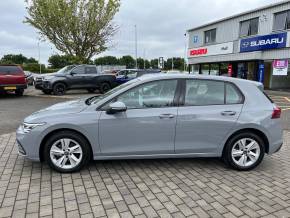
(12, 79)
(124, 76)
(158, 116)
(29, 77)
(77, 77)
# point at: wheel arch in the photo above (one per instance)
(258, 132)
(46, 137)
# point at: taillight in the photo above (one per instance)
(276, 113)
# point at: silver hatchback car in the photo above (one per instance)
(158, 116)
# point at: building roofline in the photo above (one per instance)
(239, 15)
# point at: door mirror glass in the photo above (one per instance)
(116, 107)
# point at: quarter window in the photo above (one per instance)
(210, 36)
(249, 27)
(156, 94)
(233, 96)
(282, 20)
(204, 92)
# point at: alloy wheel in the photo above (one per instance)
(246, 152)
(66, 153)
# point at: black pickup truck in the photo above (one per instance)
(76, 77)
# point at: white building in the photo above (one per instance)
(253, 45)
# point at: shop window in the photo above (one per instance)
(224, 69)
(210, 36)
(282, 20)
(195, 69)
(249, 27)
(214, 69)
(205, 69)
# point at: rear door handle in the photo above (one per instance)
(228, 113)
(166, 116)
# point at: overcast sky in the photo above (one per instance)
(161, 25)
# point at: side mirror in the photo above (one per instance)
(116, 107)
(72, 73)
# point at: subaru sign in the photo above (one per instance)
(265, 42)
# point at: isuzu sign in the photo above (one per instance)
(265, 42)
(218, 49)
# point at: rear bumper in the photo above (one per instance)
(16, 86)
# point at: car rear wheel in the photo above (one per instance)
(91, 90)
(19, 92)
(59, 89)
(67, 152)
(244, 151)
(47, 92)
(105, 87)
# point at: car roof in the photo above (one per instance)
(149, 77)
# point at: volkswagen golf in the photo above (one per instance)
(158, 116)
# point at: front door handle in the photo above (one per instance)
(228, 113)
(166, 116)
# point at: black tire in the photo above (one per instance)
(59, 89)
(104, 87)
(91, 90)
(69, 135)
(47, 92)
(19, 92)
(227, 154)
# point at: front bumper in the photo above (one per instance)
(29, 143)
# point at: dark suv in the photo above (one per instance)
(12, 78)
(77, 77)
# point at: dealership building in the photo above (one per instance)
(253, 45)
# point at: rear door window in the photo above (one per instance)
(204, 92)
(91, 70)
(10, 70)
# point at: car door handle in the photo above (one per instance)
(166, 116)
(228, 113)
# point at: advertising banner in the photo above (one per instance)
(265, 42)
(218, 49)
(280, 67)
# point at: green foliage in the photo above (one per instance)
(107, 60)
(16, 59)
(33, 67)
(60, 61)
(80, 28)
(128, 61)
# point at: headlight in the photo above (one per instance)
(27, 127)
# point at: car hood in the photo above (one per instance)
(60, 109)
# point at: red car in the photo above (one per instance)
(12, 79)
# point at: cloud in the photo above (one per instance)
(161, 25)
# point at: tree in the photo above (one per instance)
(16, 59)
(154, 63)
(107, 60)
(81, 28)
(60, 61)
(13, 59)
(128, 61)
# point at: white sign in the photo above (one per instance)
(218, 49)
(280, 67)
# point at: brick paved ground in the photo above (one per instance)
(144, 188)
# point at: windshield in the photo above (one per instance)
(95, 99)
(65, 69)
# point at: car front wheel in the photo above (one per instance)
(19, 92)
(67, 152)
(244, 151)
(59, 89)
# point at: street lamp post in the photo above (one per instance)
(185, 48)
(136, 48)
(39, 56)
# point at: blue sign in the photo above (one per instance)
(261, 72)
(265, 42)
(195, 39)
